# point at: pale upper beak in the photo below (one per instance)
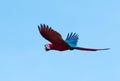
(47, 47)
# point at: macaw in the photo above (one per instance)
(57, 42)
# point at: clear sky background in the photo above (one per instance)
(22, 54)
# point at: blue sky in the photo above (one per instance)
(22, 54)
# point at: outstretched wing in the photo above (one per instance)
(90, 49)
(72, 39)
(50, 34)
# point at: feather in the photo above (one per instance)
(51, 35)
(90, 49)
(72, 39)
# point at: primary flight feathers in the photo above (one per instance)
(57, 42)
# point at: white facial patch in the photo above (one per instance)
(47, 46)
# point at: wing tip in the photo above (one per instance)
(72, 35)
(39, 28)
(44, 26)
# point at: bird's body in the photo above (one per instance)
(57, 43)
(58, 47)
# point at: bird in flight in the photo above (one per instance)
(57, 42)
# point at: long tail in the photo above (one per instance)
(90, 49)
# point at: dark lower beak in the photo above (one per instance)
(47, 49)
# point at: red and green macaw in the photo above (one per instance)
(57, 42)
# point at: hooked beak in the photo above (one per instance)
(47, 49)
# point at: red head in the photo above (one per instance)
(48, 47)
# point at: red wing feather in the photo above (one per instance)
(50, 34)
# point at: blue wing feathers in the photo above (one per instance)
(72, 39)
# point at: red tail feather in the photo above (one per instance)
(91, 49)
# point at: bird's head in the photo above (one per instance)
(48, 47)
